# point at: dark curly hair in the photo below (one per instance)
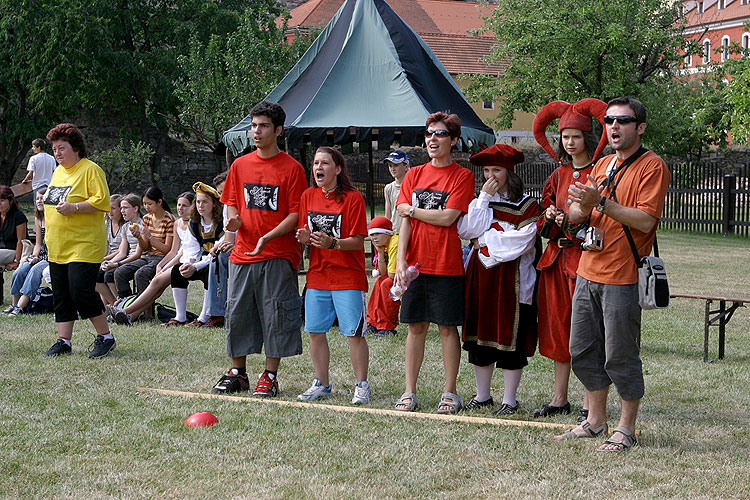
(69, 133)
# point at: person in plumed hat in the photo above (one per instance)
(579, 146)
(500, 323)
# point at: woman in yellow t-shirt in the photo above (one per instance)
(76, 239)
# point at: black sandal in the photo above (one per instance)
(549, 410)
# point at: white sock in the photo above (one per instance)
(67, 341)
(180, 303)
(483, 377)
(203, 318)
(511, 379)
(108, 335)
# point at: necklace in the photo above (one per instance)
(576, 170)
(327, 192)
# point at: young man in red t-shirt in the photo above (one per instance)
(262, 194)
(432, 198)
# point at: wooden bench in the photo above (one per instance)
(723, 315)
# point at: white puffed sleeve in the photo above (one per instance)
(477, 218)
(505, 246)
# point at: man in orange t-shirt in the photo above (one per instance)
(629, 189)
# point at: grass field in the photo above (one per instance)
(76, 428)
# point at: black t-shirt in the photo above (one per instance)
(8, 239)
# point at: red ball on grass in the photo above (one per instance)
(201, 419)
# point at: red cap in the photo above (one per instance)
(577, 116)
(380, 225)
(499, 155)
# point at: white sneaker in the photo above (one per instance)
(316, 391)
(361, 393)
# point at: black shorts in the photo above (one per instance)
(434, 298)
(74, 291)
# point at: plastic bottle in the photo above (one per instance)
(398, 290)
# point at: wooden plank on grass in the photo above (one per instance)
(362, 409)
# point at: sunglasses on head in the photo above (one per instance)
(440, 133)
(621, 119)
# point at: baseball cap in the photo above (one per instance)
(397, 156)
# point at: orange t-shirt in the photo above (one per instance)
(265, 191)
(436, 248)
(643, 186)
(335, 269)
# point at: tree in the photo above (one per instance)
(40, 74)
(225, 76)
(571, 49)
(737, 94)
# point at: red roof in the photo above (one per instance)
(445, 25)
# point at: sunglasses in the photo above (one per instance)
(621, 119)
(440, 133)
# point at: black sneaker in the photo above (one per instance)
(583, 414)
(121, 317)
(473, 404)
(101, 347)
(506, 409)
(58, 348)
(232, 381)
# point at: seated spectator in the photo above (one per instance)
(184, 249)
(28, 276)
(207, 228)
(116, 227)
(382, 311)
(128, 258)
(218, 269)
(12, 230)
(155, 239)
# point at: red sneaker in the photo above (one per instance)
(266, 386)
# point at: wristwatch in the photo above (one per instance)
(600, 206)
(411, 211)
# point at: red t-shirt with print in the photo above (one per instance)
(335, 269)
(265, 191)
(436, 248)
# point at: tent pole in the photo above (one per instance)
(371, 184)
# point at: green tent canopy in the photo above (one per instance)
(367, 73)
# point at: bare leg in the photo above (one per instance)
(562, 377)
(628, 415)
(451, 348)
(105, 293)
(152, 292)
(240, 362)
(65, 329)
(23, 301)
(100, 324)
(597, 410)
(321, 356)
(415, 340)
(272, 364)
(360, 355)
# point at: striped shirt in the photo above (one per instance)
(159, 230)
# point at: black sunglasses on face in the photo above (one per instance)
(621, 119)
(440, 133)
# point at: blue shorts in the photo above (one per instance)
(323, 306)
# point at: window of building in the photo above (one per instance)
(488, 104)
(720, 4)
(700, 7)
(688, 60)
(724, 48)
(707, 52)
(746, 44)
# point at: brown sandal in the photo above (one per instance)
(196, 323)
(174, 322)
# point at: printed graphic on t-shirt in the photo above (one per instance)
(56, 194)
(429, 199)
(329, 224)
(262, 196)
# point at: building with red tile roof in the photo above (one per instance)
(715, 24)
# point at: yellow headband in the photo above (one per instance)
(205, 188)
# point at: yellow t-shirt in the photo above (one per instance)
(392, 253)
(78, 237)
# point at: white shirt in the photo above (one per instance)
(503, 246)
(42, 165)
